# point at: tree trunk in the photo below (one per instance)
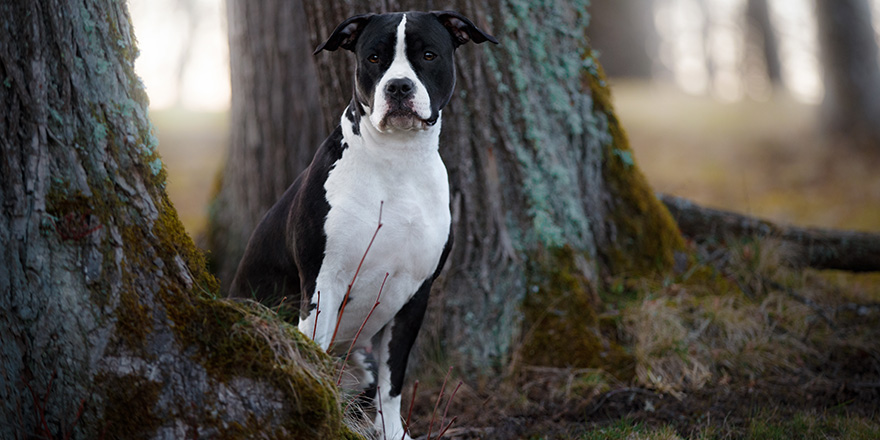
(623, 33)
(106, 329)
(547, 200)
(276, 123)
(762, 33)
(849, 54)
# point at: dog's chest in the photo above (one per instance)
(411, 191)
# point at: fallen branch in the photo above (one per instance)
(811, 247)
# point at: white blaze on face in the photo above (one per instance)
(400, 67)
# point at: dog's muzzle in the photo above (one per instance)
(399, 94)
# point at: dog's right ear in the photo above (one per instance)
(346, 34)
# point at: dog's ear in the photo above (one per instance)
(462, 29)
(346, 34)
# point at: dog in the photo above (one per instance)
(381, 164)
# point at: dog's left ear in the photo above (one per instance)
(346, 34)
(462, 29)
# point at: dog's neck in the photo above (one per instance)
(358, 131)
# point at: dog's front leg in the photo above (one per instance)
(323, 312)
(392, 354)
(388, 424)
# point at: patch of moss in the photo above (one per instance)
(228, 344)
(563, 327)
(123, 395)
(134, 319)
(171, 233)
(646, 236)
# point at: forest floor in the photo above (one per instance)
(736, 344)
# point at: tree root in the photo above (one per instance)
(809, 247)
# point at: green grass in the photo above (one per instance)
(764, 426)
(809, 426)
(628, 430)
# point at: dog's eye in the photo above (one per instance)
(429, 56)
(373, 58)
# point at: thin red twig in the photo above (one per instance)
(447, 427)
(352, 400)
(79, 413)
(412, 403)
(317, 314)
(46, 401)
(354, 278)
(37, 408)
(358, 334)
(436, 405)
(41, 409)
(448, 402)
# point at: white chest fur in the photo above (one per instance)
(408, 182)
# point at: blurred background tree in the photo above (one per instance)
(276, 123)
(761, 35)
(849, 53)
(625, 31)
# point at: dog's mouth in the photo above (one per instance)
(404, 118)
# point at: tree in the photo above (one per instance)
(623, 33)
(108, 329)
(760, 30)
(547, 200)
(848, 50)
(275, 127)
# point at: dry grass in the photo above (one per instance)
(690, 334)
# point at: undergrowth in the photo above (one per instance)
(735, 343)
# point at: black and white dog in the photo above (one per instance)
(383, 157)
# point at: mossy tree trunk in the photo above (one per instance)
(105, 323)
(275, 127)
(547, 200)
(849, 54)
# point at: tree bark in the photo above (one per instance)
(849, 54)
(805, 247)
(276, 124)
(546, 196)
(763, 34)
(108, 329)
(623, 33)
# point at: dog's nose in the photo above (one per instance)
(399, 88)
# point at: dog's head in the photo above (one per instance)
(405, 72)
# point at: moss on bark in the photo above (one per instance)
(645, 236)
(562, 322)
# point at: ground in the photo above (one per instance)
(735, 345)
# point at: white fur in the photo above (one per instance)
(400, 68)
(402, 174)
